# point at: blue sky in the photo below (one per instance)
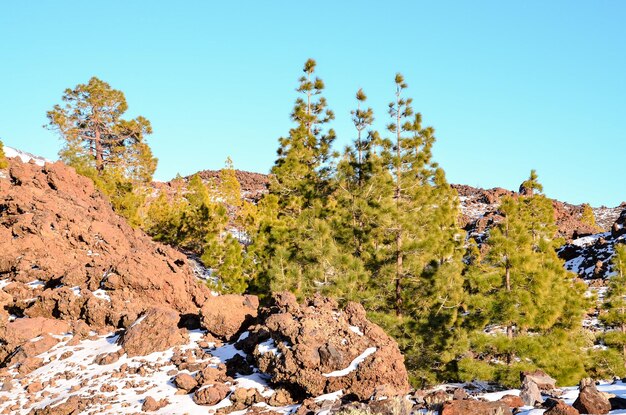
(508, 86)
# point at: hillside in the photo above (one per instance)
(97, 318)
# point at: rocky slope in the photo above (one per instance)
(97, 318)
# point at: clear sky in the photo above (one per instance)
(508, 85)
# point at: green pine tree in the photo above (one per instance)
(229, 188)
(3, 159)
(291, 249)
(588, 217)
(102, 145)
(614, 315)
(521, 298)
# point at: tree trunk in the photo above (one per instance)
(399, 259)
(624, 345)
(99, 151)
(507, 277)
(398, 192)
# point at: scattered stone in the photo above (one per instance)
(211, 395)
(530, 393)
(460, 394)
(150, 404)
(561, 408)
(512, 401)
(543, 381)
(185, 382)
(472, 407)
(590, 400)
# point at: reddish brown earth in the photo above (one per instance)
(65, 255)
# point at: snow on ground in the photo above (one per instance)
(24, 156)
(569, 396)
(120, 387)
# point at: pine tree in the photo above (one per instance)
(363, 190)
(3, 159)
(294, 238)
(521, 287)
(614, 315)
(102, 145)
(417, 284)
(229, 187)
(588, 217)
(203, 221)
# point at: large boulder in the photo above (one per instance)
(316, 348)
(590, 400)
(155, 331)
(543, 381)
(225, 315)
(530, 393)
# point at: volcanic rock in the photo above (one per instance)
(64, 253)
(315, 348)
(224, 316)
(150, 404)
(590, 400)
(155, 331)
(530, 393)
(471, 407)
(543, 381)
(561, 408)
(512, 401)
(185, 382)
(211, 395)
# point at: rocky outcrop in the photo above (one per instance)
(590, 400)
(65, 254)
(155, 331)
(226, 315)
(315, 348)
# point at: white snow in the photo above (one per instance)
(125, 394)
(35, 284)
(353, 365)
(330, 396)
(24, 156)
(102, 294)
(356, 330)
(268, 346)
(76, 291)
(588, 240)
(138, 321)
(4, 283)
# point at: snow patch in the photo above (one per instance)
(24, 156)
(353, 365)
(356, 330)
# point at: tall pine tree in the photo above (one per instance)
(293, 245)
(521, 298)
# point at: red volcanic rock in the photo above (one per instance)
(315, 348)
(155, 331)
(470, 407)
(65, 254)
(225, 315)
